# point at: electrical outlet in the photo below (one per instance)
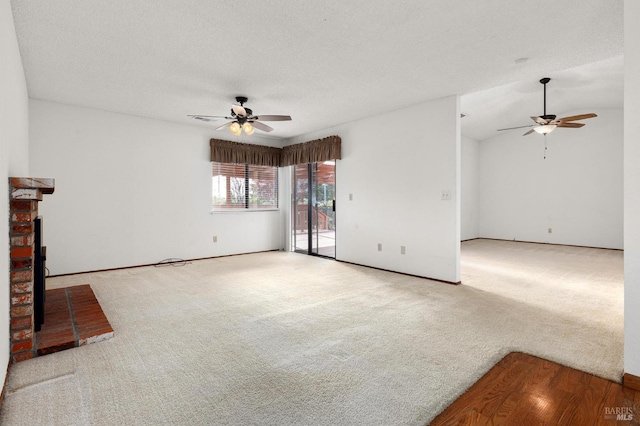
(446, 195)
(215, 238)
(379, 247)
(403, 250)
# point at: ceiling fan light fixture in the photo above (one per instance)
(235, 128)
(248, 128)
(547, 128)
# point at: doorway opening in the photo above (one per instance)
(313, 222)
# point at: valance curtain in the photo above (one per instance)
(302, 153)
(244, 153)
(312, 152)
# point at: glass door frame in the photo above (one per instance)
(313, 244)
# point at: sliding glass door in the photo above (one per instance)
(300, 209)
(313, 219)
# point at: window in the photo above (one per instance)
(231, 181)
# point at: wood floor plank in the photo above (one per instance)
(508, 411)
(489, 390)
(631, 396)
(620, 400)
(592, 406)
(523, 389)
(566, 379)
(570, 409)
(473, 418)
(539, 376)
(502, 385)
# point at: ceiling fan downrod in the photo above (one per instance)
(544, 82)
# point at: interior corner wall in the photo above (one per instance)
(389, 186)
(576, 192)
(469, 189)
(14, 154)
(632, 187)
(132, 191)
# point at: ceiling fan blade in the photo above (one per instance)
(239, 110)
(272, 117)
(570, 125)
(224, 126)
(206, 117)
(519, 127)
(539, 120)
(577, 117)
(261, 126)
(529, 132)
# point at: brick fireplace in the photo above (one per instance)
(24, 195)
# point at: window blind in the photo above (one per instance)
(244, 186)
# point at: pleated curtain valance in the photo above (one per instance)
(244, 153)
(325, 149)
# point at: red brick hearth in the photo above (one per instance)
(73, 317)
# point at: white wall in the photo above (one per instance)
(396, 174)
(577, 191)
(469, 189)
(132, 191)
(14, 152)
(632, 187)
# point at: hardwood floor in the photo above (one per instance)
(525, 390)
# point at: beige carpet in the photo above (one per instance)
(287, 339)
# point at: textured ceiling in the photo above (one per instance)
(323, 63)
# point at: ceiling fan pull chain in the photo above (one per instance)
(545, 147)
